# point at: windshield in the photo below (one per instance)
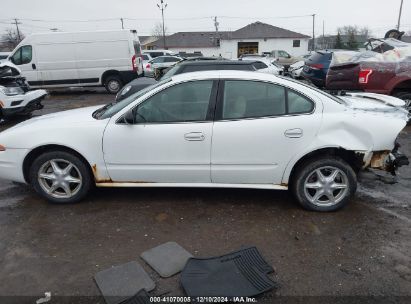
(113, 108)
(170, 72)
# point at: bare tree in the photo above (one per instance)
(10, 39)
(158, 30)
(348, 30)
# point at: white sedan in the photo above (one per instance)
(264, 65)
(226, 129)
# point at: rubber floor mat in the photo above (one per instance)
(167, 259)
(241, 273)
(141, 297)
(122, 282)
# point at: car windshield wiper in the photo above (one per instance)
(99, 112)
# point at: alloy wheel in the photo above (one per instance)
(326, 186)
(60, 178)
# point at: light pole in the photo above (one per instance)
(399, 16)
(162, 7)
(313, 32)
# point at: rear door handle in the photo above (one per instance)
(194, 136)
(294, 133)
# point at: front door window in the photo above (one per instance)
(184, 102)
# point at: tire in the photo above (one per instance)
(78, 178)
(113, 84)
(306, 184)
(406, 96)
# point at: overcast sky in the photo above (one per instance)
(196, 15)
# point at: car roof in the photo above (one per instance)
(235, 74)
(216, 62)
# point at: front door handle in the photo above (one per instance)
(194, 136)
(33, 66)
(294, 133)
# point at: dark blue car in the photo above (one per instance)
(316, 67)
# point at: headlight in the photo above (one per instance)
(125, 90)
(11, 91)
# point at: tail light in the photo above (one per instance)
(364, 76)
(133, 62)
(2, 148)
(148, 66)
(316, 66)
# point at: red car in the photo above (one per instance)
(390, 78)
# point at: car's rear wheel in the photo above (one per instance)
(325, 184)
(60, 177)
(113, 84)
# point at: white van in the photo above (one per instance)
(68, 59)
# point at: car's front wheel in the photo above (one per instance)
(60, 177)
(324, 184)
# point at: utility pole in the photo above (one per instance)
(313, 32)
(216, 24)
(399, 16)
(16, 22)
(122, 23)
(323, 46)
(162, 8)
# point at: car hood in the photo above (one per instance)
(76, 116)
(371, 102)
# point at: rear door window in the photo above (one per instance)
(137, 48)
(252, 99)
(298, 104)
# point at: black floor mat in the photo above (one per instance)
(239, 274)
(141, 297)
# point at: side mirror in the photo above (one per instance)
(129, 117)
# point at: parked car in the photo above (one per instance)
(295, 70)
(221, 129)
(316, 67)
(158, 53)
(186, 66)
(284, 58)
(68, 59)
(146, 58)
(15, 97)
(264, 65)
(384, 73)
(161, 62)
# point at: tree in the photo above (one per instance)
(158, 30)
(338, 42)
(352, 43)
(10, 39)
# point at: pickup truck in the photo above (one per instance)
(283, 58)
(383, 77)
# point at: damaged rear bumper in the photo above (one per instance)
(388, 161)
